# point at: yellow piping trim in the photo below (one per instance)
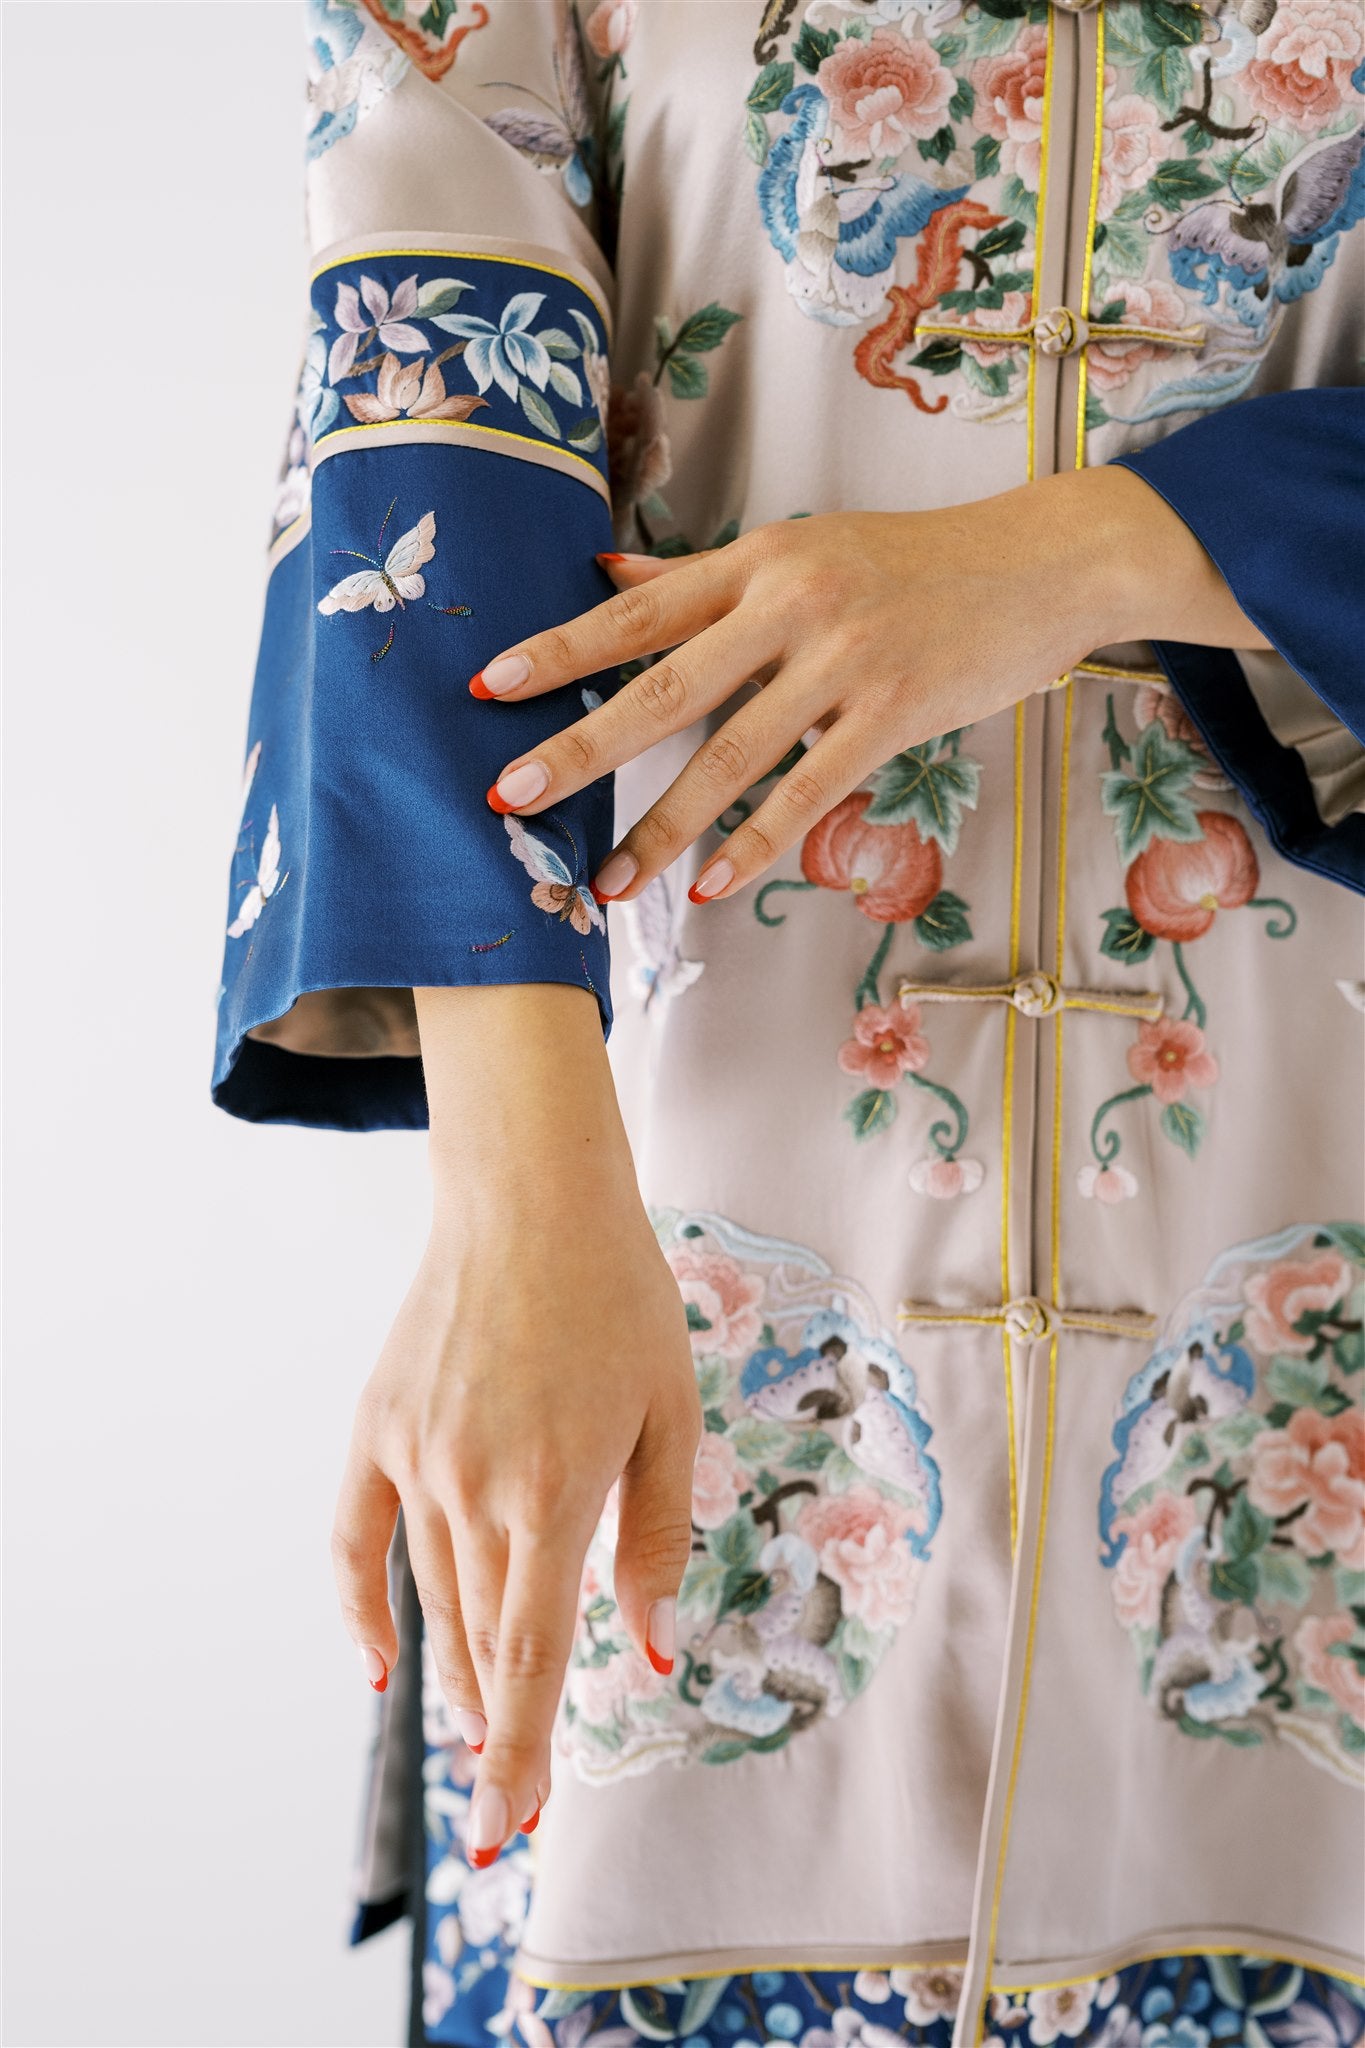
(1165, 1954)
(1150, 1010)
(1090, 217)
(454, 256)
(1122, 675)
(470, 427)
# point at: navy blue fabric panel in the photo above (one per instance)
(1274, 487)
(374, 761)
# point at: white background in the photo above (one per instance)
(193, 1302)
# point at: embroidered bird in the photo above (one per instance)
(1262, 244)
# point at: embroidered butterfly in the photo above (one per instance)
(557, 890)
(394, 583)
(659, 969)
(268, 879)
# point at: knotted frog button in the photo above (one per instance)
(1058, 332)
(1028, 1320)
(1036, 994)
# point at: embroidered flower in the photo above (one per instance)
(1112, 363)
(1301, 73)
(1009, 102)
(721, 1300)
(1108, 1184)
(1065, 2009)
(1340, 1677)
(610, 26)
(946, 1178)
(859, 1537)
(1314, 1470)
(1155, 1534)
(598, 1691)
(506, 353)
(886, 1044)
(417, 390)
(892, 873)
(718, 1479)
(932, 1994)
(885, 92)
(1133, 145)
(1170, 1057)
(638, 451)
(1011, 313)
(1174, 886)
(1290, 1289)
(387, 322)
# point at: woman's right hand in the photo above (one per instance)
(541, 1354)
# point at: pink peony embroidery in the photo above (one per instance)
(886, 92)
(1133, 146)
(1009, 102)
(1013, 312)
(1171, 1058)
(717, 1481)
(598, 1691)
(1112, 363)
(722, 1299)
(1339, 1677)
(1301, 72)
(886, 1044)
(859, 1539)
(1314, 1470)
(1155, 1534)
(1285, 1292)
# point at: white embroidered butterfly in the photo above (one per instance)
(659, 968)
(557, 888)
(268, 880)
(392, 584)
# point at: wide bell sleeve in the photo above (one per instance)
(1274, 488)
(445, 492)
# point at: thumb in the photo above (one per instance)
(654, 1535)
(626, 571)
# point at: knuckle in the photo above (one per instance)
(724, 761)
(440, 1613)
(656, 836)
(526, 1654)
(578, 751)
(636, 610)
(758, 842)
(513, 1758)
(555, 650)
(803, 793)
(661, 692)
(483, 1643)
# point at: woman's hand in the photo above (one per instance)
(542, 1352)
(868, 632)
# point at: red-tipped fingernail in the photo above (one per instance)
(614, 875)
(606, 556)
(661, 1633)
(497, 677)
(490, 1823)
(528, 1827)
(711, 881)
(518, 786)
(376, 1670)
(473, 1726)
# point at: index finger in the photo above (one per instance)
(634, 622)
(535, 1638)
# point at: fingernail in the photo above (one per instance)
(490, 1821)
(661, 1633)
(376, 1670)
(624, 558)
(528, 1827)
(499, 676)
(615, 875)
(519, 786)
(473, 1727)
(711, 880)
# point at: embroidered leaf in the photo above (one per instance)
(771, 87)
(438, 13)
(944, 923)
(701, 1586)
(756, 1439)
(993, 378)
(989, 35)
(687, 377)
(939, 147)
(1017, 200)
(587, 332)
(723, 1753)
(1124, 939)
(1001, 241)
(1248, 171)
(1175, 185)
(1298, 1380)
(1125, 41)
(1349, 1239)
(586, 434)
(704, 1994)
(871, 1111)
(566, 383)
(1183, 1124)
(1169, 22)
(963, 100)
(558, 343)
(704, 330)
(986, 156)
(538, 412)
(1124, 243)
(646, 2009)
(940, 355)
(813, 45)
(809, 1452)
(438, 295)
(928, 787)
(1150, 800)
(736, 1542)
(1246, 1530)
(743, 1592)
(1095, 414)
(949, 48)
(756, 139)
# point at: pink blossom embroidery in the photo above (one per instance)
(721, 1300)
(1286, 1292)
(858, 1538)
(885, 92)
(1315, 1464)
(1170, 1058)
(885, 1045)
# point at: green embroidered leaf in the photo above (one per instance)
(1175, 185)
(538, 412)
(736, 1542)
(1349, 1351)
(437, 14)
(1298, 1380)
(1124, 39)
(616, 129)
(1124, 939)
(1245, 1530)
(1183, 1124)
(1349, 1239)
(756, 139)
(871, 1111)
(1171, 23)
(928, 787)
(663, 333)
(558, 342)
(723, 1753)
(813, 45)
(712, 1380)
(989, 35)
(715, 1419)
(701, 1587)
(944, 923)
(771, 87)
(1285, 1576)
(1195, 139)
(1001, 241)
(587, 332)
(1016, 199)
(939, 147)
(438, 295)
(1112, 310)
(809, 1452)
(1150, 800)
(586, 434)
(1125, 248)
(744, 1592)
(949, 49)
(706, 329)
(556, 2005)
(1248, 171)
(704, 1994)
(963, 101)
(1352, 1734)
(939, 356)
(1095, 414)
(1239, 1581)
(687, 377)
(695, 1319)
(755, 1439)
(566, 382)
(992, 378)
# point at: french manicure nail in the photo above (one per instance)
(711, 880)
(495, 678)
(376, 1670)
(623, 558)
(615, 875)
(490, 1823)
(661, 1633)
(473, 1727)
(528, 1827)
(519, 786)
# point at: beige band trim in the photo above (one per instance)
(430, 242)
(500, 440)
(1053, 1972)
(625, 1972)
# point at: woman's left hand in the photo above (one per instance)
(869, 632)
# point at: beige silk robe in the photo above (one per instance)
(1005, 1140)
